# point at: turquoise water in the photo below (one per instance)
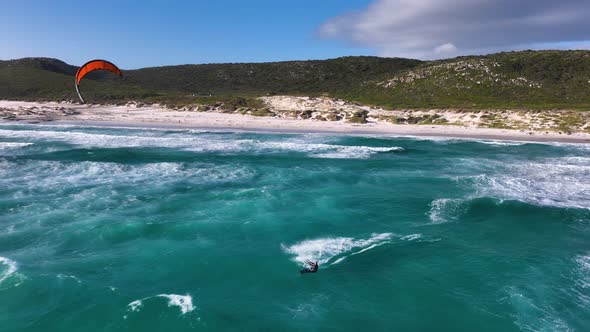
(122, 229)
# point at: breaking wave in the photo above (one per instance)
(444, 210)
(556, 182)
(201, 142)
(330, 150)
(13, 145)
(7, 269)
(502, 143)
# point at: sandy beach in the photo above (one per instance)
(137, 115)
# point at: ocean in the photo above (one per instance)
(134, 229)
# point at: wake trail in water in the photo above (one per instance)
(333, 250)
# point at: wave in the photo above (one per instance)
(333, 250)
(581, 279)
(7, 269)
(13, 145)
(53, 174)
(541, 192)
(502, 143)
(570, 146)
(198, 142)
(452, 210)
(202, 142)
(460, 140)
(183, 302)
(556, 182)
(448, 140)
(320, 150)
(530, 315)
(583, 263)
(572, 161)
(444, 210)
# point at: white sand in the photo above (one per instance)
(150, 116)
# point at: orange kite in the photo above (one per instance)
(91, 66)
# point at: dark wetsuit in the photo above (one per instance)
(312, 268)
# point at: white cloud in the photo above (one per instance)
(445, 49)
(440, 28)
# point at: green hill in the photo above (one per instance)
(537, 80)
(529, 79)
(52, 79)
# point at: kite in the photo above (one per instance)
(91, 66)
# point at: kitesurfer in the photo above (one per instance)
(312, 267)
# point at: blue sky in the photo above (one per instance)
(136, 34)
(149, 33)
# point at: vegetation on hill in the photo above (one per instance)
(522, 80)
(530, 79)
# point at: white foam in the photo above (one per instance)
(501, 143)
(325, 249)
(135, 305)
(572, 161)
(65, 276)
(356, 152)
(459, 140)
(537, 190)
(584, 270)
(13, 145)
(35, 175)
(572, 146)
(321, 150)
(412, 237)
(559, 182)
(581, 278)
(8, 270)
(202, 142)
(183, 302)
(137, 139)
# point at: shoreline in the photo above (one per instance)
(472, 135)
(158, 117)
